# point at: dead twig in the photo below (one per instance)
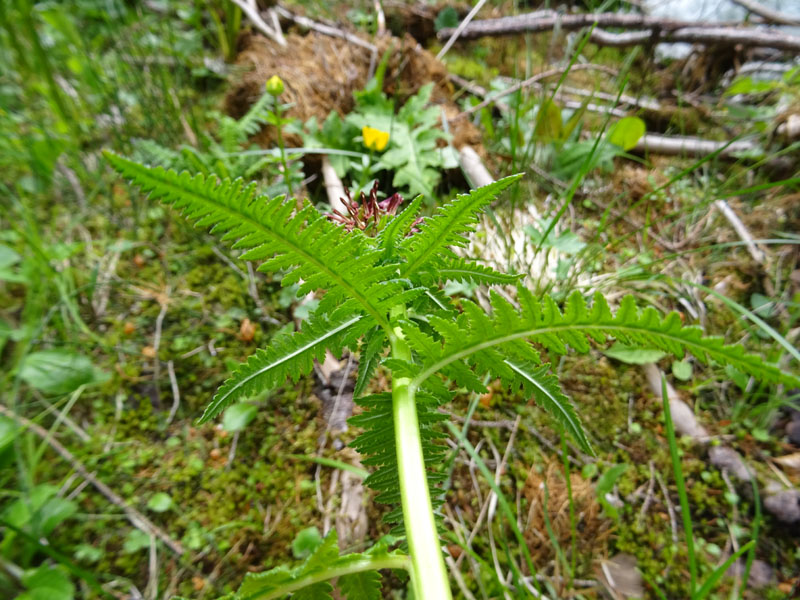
(273, 32)
(176, 392)
(673, 521)
(531, 81)
(766, 13)
(136, 518)
(459, 29)
(325, 29)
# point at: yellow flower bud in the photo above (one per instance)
(375, 139)
(275, 86)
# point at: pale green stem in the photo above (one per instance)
(365, 564)
(430, 577)
(284, 162)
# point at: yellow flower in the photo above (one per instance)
(275, 86)
(375, 139)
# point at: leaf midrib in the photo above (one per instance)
(488, 343)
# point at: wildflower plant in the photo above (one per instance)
(380, 278)
(374, 139)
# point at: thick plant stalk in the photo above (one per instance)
(429, 576)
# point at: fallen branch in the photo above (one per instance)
(658, 30)
(766, 13)
(691, 146)
(136, 518)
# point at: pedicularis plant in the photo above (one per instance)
(385, 292)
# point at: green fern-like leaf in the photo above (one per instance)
(447, 227)
(371, 348)
(255, 117)
(464, 270)
(481, 341)
(392, 234)
(544, 386)
(288, 356)
(303, 242)
(377, 444)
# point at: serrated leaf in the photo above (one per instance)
(288, 356)
(303, 242)
(369, 359)
(461, 269)
(547, 392)
(448, 226)
(317, 591)
(365, 585)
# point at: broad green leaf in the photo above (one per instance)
(47, 583)
(305, 542)
(55, 511)
(238, 416)
(626, 132)
(135, 541)
(160, 502)
(634, 356)
(682, 369)
(747, 85)
(59, 371)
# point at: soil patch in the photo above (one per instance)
(320, 74)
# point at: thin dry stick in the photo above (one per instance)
(459, 29)
(649, 498)
(672, 519)
(529, 82)
(136, 518)
(325, 29)
(176, 392)
(251, 10)
(156, 344)
(757, 254)
(766, 13)
(151, 591)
